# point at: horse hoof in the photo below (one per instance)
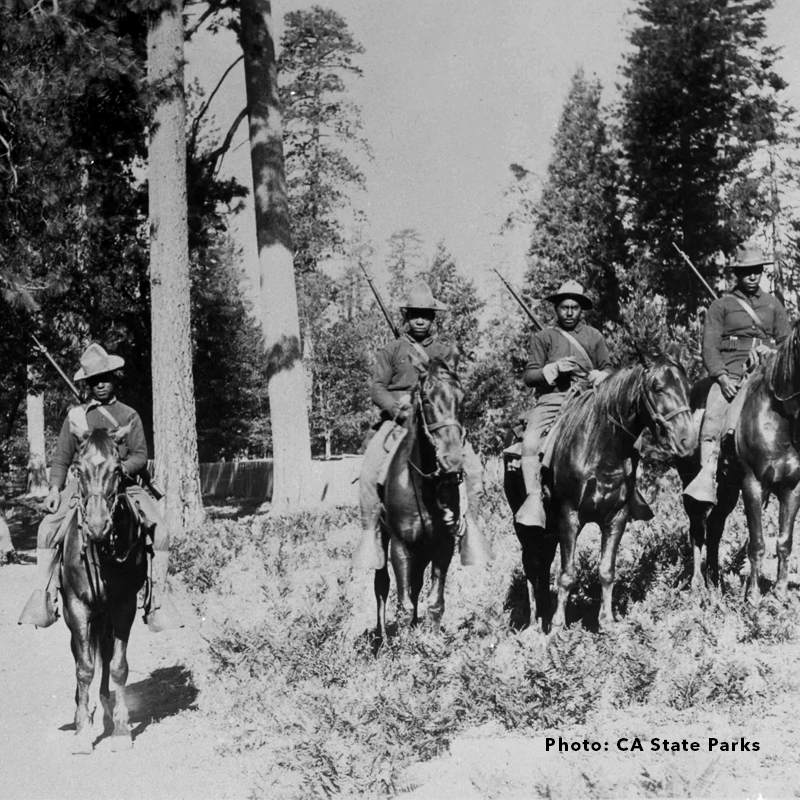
(120, 742)
(82, 745)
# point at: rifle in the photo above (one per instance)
(383, 308)
(696, 272)
(72, 386)
(538, 325)
(143, 478)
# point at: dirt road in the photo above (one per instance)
(173, 755)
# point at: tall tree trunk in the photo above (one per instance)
(273, 289)
(37, 465)
(174, 427)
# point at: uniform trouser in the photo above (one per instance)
(540, 420)
(714, 417)
(52, 531)
(374, 465)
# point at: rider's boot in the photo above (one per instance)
(532, 513)
(162, 615)
(40, 610)
(704, 487)
(369, 552)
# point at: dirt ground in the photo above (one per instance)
(173, 754)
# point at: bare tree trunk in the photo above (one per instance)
(273, 289)
(37, 464)
(174, 426)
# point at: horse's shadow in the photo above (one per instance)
(165, 693)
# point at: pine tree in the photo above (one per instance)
(321, 130)
(700, 94)
(577, 231)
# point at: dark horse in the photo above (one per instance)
(592, 473)
(104, 567)
(762, 458)
(421, 496)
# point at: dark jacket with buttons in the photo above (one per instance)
(729, 331)
(395, 375)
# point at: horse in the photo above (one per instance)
(592, 474)
(421, 518)
(104, 567)
(761, 458)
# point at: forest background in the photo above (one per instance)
(696, 146)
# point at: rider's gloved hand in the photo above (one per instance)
(568, 364)
(53, 500)
(728, 385)
(550, 372)
(597, 376)
(402, 413)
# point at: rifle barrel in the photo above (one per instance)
(521, 302)
(72, 386)
(379, 300)
(696, 272)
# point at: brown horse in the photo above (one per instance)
(104, 567)
(762, 458)
(421, 496)
(592, 473)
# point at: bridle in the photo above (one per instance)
(429, 428)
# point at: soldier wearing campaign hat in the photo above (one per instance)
(393, 381)
(746, 320)
(98, 369)
(558, 357)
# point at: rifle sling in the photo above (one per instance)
(577, 345)
(751, 312)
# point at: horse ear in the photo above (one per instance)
(120, 433)
(678, 353)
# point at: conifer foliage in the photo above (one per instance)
(701, 94)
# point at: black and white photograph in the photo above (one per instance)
(399, 400)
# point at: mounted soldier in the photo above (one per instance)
(744, 321)
(559, 357)
(394, 378)
(98, 371)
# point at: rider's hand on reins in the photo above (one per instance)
(728, 386)
(53, 500)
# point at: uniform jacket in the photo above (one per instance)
(550, 345)
(132, 448)
(395, 375)
(724, 355)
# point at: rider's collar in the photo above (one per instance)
(95, 403)
(424, 342)
(740, 293)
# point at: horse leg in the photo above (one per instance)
(568, 525)
(121, 622)
(715, 526)
(790, 502)
(404, 575)
(83, 650)
(538, 552)
(752, 497)
(439, 567)
(381, 586)
(611, 533)
(698, 535)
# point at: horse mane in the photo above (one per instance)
(610, 400)
(101, 441)
(776, 374)
(437, 367)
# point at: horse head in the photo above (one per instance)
(99, 474)
(665, 393)
(439, 414)
(782, 370)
